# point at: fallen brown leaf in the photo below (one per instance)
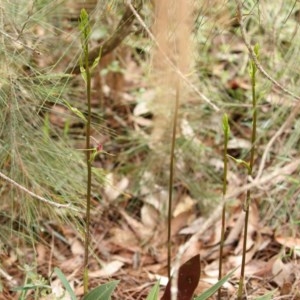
(188, 278)
(108, 270)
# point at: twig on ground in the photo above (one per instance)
(22, 188)
(285, 125)
(253, 56)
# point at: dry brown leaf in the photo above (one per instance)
(286, 289)
(71, 264)
(238, 83)
(260, 268)
(108, 270)
(142, 106)
(289, 242)
(150, 216)
(163, 280)
(212, 269)
(157, 200)
(141, 231)
(184, 205)
(253, 232)
(41, 253)
(193, 227)
(11, 258)
(77, 247)
(180, 221)
(191, 251)
(202, 287)
(238, 143)
(57, 291)
(124, 239)
(142, 121)
(286, 170)
(188, 278)
(282, 273)
(235, 233)
(114, 189)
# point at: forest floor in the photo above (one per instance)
(128, 228)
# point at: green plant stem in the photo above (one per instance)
(221, 248)
(171, 177)
(248, 195)
(225, 160)
(88, 165)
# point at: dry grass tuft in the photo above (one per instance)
(172, 29)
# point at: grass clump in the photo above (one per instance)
(43, 121)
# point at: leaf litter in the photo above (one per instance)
(130, 246)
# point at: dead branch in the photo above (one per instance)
(123, 29)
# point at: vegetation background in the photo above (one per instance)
(42, 136)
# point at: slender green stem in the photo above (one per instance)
(85, 30)
(250, 173)
(89, 178)
(171, 178)
(225, 160)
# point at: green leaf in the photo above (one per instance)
(65, 283)
(46, 127)
(153, 295)
(226, 127)
(31, 286)
(83, 72)
(256, 50)
(84, 24)
(267, 296)
(240, 162)
(102, 292)
(76, 111)
(96, 61)
(215, 287)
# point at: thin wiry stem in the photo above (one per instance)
(253, 56)
(171, 178)
(85, 27)
(225, 159)
(22, 188)
(294, 112)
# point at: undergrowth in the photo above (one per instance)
(43, 118)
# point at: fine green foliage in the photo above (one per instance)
(65, 283)
(215, 287)
(153, 295)
(267, 296)
(102, 292)
(32, 282)
(33, 154)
